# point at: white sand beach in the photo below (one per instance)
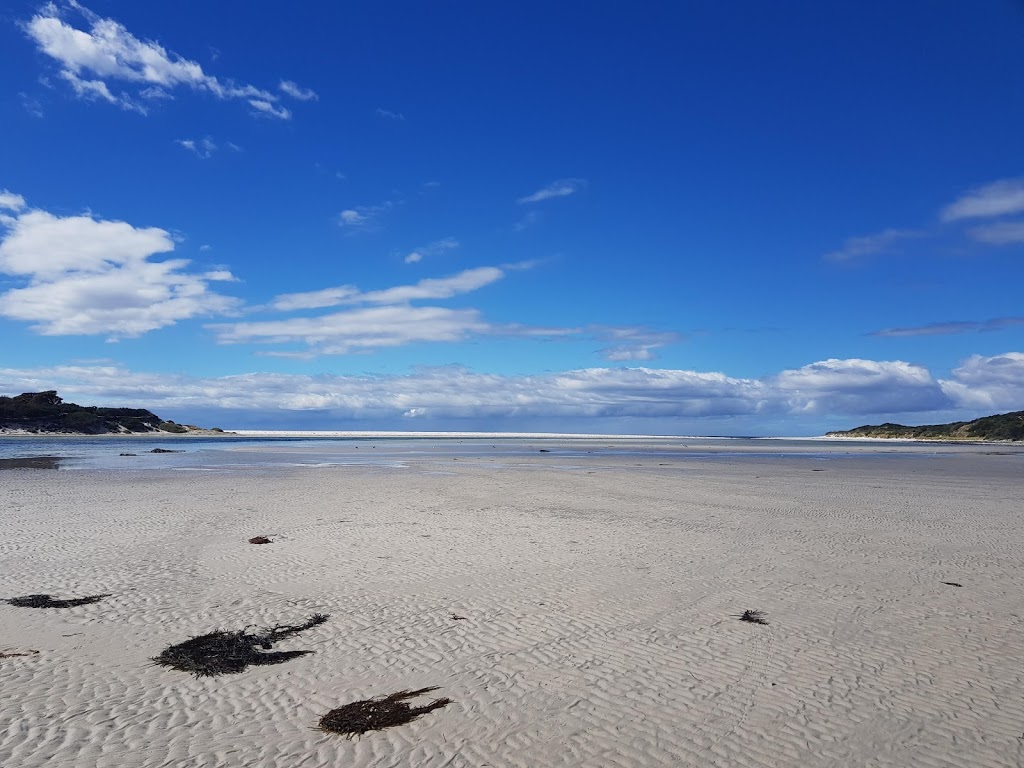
(576, 612)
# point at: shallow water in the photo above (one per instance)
(250, 453)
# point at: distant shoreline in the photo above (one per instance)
(244, 434)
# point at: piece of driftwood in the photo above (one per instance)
(360, 717)
(224, 653)
(15, 654)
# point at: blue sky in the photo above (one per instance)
(688, 218)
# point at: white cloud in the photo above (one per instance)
(10, 201)
(389, 114)
(859, 386)
(364, 217)
(155, 93)
(350, 216)
(89, 89)
(327, 297)
(202, 148)
(435, 288)
(632, 343)
(434, 249)
(265, 108)
(103, 51)
(1000, 233)
(358, 329)
(560, 188)
(393, 322)
(999, 198)
(988, 384)
(86, 276)
(869, 245)
(832, 388)
(430, 288)
(297, 92)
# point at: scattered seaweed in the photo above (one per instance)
(260, 540)
(224, 653)
(952, 584)
(47, 601)
(165, 450)
(754, 617)
(360, 717)
(456, 617)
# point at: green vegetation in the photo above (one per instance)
(44, 412)
(1001, 427)
(170, 426)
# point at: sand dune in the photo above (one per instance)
(582, 617)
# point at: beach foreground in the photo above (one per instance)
(577, 613)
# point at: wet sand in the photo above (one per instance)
(578, 611)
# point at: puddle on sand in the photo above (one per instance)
(31, 462)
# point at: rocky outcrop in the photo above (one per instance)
(47, 413)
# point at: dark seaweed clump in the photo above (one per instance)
(46, 601)
(225, 653)
(754, 617)
(260, 540)
(374, 714)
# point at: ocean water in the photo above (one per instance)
(200, 453)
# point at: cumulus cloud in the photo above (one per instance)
(869, 245)
(560, 188)
(85, 276)
(433, 249)
(101, 52)
(853, 388)
(988, 384)
(951, 327)
(999, 233)
(860, 386)
(998, 198)
(297, 92)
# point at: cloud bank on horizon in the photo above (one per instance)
(837, 389)
(553, 252)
